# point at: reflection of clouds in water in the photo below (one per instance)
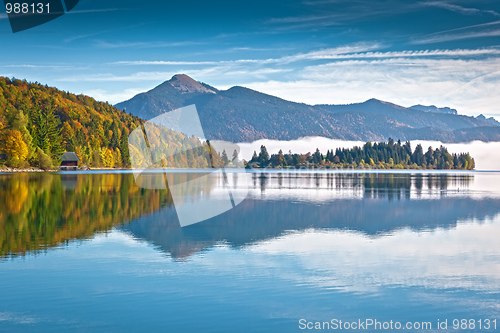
(486, 154)
(18, 318)
(464, 257)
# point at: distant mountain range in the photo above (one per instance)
(241, 115)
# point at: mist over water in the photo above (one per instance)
(486, 154)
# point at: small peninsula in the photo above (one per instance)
(382, 155)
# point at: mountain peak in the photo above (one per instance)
(378, 101)
(182, 78)
(186, 84)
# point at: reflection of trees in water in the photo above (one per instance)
(255, 219)
(45, 210)
(372, 185)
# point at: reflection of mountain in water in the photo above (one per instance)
(40, 211)
(372, 203)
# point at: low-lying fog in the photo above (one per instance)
(485, 154)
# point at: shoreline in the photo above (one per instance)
(36, 170)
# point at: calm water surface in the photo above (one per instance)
(94, 252)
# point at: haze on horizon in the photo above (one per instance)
(441, 52)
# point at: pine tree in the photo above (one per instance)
(115, 136)
(124, 148)
(234, 160)
(224, 157)
(263, 156)
(255, 158)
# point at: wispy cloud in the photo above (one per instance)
(3, 16)
(208, 72)
(347, 13)
(332, 13)
(103, 10)
(165, 63)
(40, 66)
(446, 37)
(102, 32)
(458, 8)
(349, 52)
(469, 27)
(155, 44)
(488, 29)
(330, 53)
(78, 37)
(109, 77)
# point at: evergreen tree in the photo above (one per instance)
(124, 148)
(418, 156)
(317, 157)
(224, 157)
(263, 156)
(115, 136)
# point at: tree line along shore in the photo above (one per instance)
(381, 155)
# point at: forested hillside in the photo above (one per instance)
(38, 123)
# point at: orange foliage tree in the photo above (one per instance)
(14, 145)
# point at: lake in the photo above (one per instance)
(408, 251)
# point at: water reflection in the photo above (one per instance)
(393, 246)
(373, 204)
(367, 185)
(47, 210)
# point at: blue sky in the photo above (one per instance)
(445, 53)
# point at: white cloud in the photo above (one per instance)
(470, 86)
(353, 262)
(109, 77)
(199, 74)
(113, 98)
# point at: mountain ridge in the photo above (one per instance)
(240, 114)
